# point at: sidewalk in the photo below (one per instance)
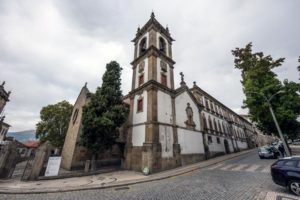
(106, 180)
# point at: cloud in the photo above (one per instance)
(49, 49)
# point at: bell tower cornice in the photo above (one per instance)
(153, 24)
(152, 50)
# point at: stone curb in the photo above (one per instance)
(154, 177)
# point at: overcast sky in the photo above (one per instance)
(49, 49)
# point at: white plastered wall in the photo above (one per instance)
(214, 146)
(181, 104)
(166, 139)
(138, 135)
(140, 117)
(242, 145)
(191, 142)
(164, 107)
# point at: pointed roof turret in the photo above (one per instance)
(153, 23)
(152, 15)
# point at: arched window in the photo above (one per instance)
(143, 45)
(162, 44)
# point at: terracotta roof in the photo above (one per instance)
(31, 144)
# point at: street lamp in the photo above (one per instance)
(274, 118)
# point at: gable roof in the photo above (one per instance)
(183, 89)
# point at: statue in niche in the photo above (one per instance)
(189, 122)
(141, 66)
(163, 66)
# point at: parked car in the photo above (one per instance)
(268, 152)
(297, 141)
(286, 172)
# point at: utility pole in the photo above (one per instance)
(279, 130)
(275, 120)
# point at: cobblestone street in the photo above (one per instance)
(244, 177)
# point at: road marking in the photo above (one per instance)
(266, 169)
(239, 167)
(226, 167)
(252, 168)
(216, 166)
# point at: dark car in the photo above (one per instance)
(268, 152)
(286, 172)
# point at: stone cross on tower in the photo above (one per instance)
(182, 83)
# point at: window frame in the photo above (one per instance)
(143, 79)
(165, 82)
(140, 108)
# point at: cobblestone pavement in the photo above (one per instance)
(244, 177)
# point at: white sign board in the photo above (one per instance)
(53, 166)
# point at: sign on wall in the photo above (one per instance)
(53, 166)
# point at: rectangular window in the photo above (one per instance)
(164, 79)
(140, 105)
(141, 79)
(218, 140)
(212, 107)
(209, 139)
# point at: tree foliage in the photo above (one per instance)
(105, 112)
(260, 83)
(54, 123)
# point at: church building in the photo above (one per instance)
(167, 126)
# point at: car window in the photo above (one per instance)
(280, 163)
(298, 165)
(290, 163)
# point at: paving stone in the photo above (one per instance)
(207, 184)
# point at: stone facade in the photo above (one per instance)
(72, 153)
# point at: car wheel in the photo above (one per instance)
(260, 157)
(294, 187)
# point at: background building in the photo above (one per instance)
(4, 98)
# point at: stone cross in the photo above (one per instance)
(182, 77)
(182, 83)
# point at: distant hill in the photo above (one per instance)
(23, 136)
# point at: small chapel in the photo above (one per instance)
(167, 126)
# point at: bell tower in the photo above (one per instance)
(152, 140)
(153, 55)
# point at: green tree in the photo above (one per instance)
(104, 113)
(54, 123)
(258, 77)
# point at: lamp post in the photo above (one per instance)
(274, 118)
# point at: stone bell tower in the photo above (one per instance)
(152, 137)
